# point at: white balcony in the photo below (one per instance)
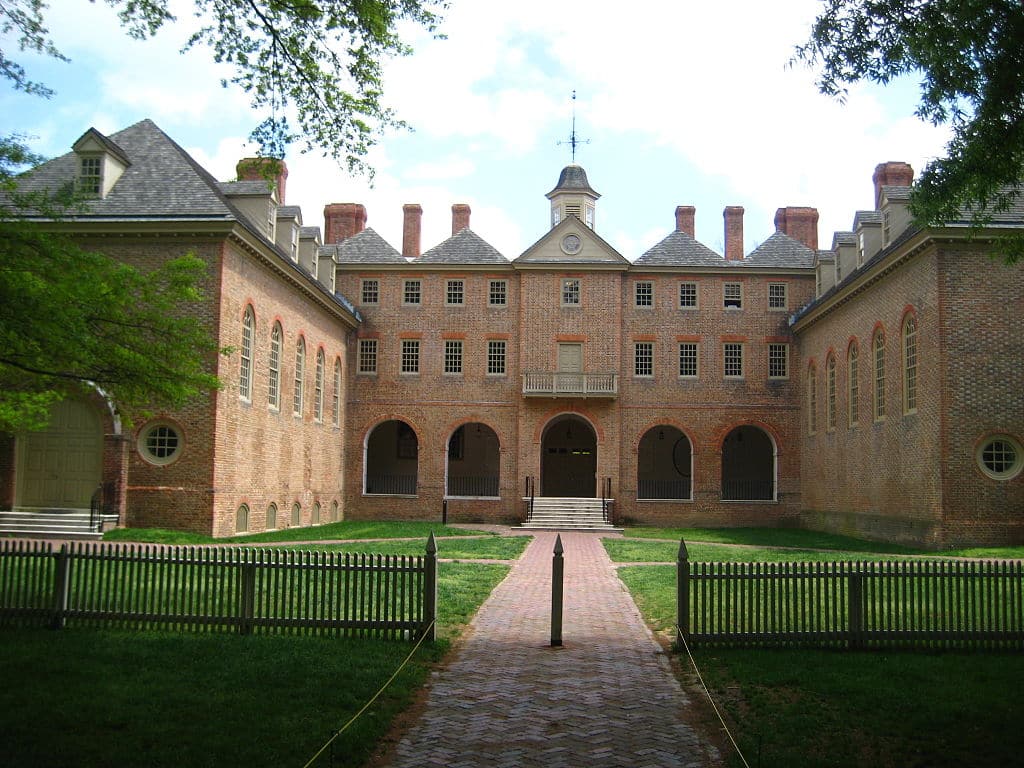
(559, 384)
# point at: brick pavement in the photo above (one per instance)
(606, 698)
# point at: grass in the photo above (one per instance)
(91, 697)
(811, 709)
(331, 531)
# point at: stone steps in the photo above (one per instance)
(560, 514)
(52, 524)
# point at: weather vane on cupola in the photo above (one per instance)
(573, 139)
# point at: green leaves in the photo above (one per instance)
(970, 56)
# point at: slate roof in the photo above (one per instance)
(246, 187)
(289, 211)
(573, 177)
(464, 247)
(309, 232)
(780, 251)
(367, 247)
(680, 249)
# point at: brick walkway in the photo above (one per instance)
(606, 698)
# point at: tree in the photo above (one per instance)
(320, 59)
(970, 56)
(72, 320)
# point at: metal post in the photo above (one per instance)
(682, 593)
(429, 628)
(444, 512)
(557, 576)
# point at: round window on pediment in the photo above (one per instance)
(571, 244)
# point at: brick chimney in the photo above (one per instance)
(411, 230)
(891, 174)
(342, 221)
(460, 217)
(799, 223)
(733, 215)
(265, 169)
(685, 215)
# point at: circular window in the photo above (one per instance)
(571, 244)
(160, 443)
(1000, 457)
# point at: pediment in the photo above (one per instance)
(571, 243)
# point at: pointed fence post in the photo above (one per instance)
(682, 593)
(61, 586)
(429, 627)
(557, 576)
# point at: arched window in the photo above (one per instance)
(336, 395)
(334, 511)
(830, 393)
(853, 384)
(910, 364)
(878, 345)
(242, 519)
(300, 365)
(296, 514)
(274, 369)
(812, 399)
(318, 388)
(245, 369)
(272, 517)
(316, 513)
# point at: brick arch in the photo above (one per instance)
(718, 435)
(654, 423)
(852, 342)
(548, 416)
(451, 426)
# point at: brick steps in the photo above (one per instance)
(52, 524)
(574, 514)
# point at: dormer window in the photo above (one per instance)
(90, 176)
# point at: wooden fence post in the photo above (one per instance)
(61, 588)
(855, 595)
(429, 626)
(682, 593)
(248, 596)
(557, 577)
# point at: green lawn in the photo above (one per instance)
(804, 709)
(91, 697)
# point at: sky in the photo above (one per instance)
(678, 103)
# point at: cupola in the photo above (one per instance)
(573, 196)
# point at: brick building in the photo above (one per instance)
(872, 388)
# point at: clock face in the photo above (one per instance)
(571, 244)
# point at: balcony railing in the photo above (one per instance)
(552, 384)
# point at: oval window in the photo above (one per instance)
(1000, 457)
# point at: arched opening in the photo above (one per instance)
(62, 466)
(664, 466)
(569, 458)
(391, 459)
(473, 466)
(748, 465)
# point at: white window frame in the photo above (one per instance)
(730, 349)
(299, 382)
(453, 359)
(643, 359)
(497, 357)
(368, 353)
(696, 359)
(274, 368)
(336, 394)
(409, 363)
(910, 362)
(853, 385)
(412, 292)
(732, 292)
(369, 291)
(643, 293)
(878, 372)
(830, 393)
(696, 294)
(246, 368)
(571, 292)
(774, 303)
(318, 387)
(497, 293)
(773, 357)
(455, 293)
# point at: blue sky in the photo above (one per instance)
(682, 103)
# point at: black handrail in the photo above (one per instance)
(607, 502)
(531, 491)
(96, 509)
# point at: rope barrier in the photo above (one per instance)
(375, 696)
(714, 706)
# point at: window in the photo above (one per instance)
(367, 355)
(334, 511)
(452, 356)
(830, 393)
(90, 180)
(336, 395)
(643, 358)
(853, 384)
(687, 295)
(410, 356)
(732, 296)
(733, 360)
(411, 292)
(371, 291)
(159, 443)
(886, 227)
(879, 349)
(812, 400)
(910, 364)
(318, 388)
(272, 517)
(688, 359)
(300, 364)
(296, 514)
(498, 293)
(644, 293)
(316, 513)
(496, 357)
(778, 361)
(456, 292)
(245, 371)
(1000, 457)
(777, 296)
(242, 519)
(274, 375)
(570, 292)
